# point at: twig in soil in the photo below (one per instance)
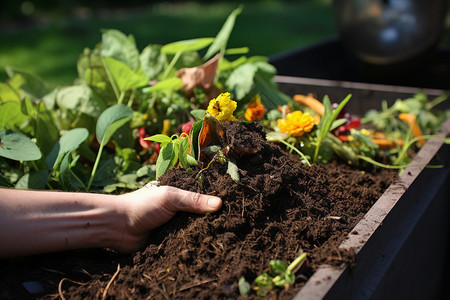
(163, 293)
(110, 282)
(60, 291)
(191, 285)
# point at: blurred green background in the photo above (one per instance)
(45, 37)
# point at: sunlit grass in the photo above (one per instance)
(50, 50)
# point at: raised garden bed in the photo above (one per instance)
(404, 232)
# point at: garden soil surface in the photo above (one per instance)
(278, 209)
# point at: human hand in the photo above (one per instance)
(152, 206)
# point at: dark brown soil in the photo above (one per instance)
(278, 209)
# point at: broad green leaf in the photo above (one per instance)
(117, 45)
(124, 137)
(221, 40)
(11, 116)
(110, 120)
(159, 138)
(68, 142)
(29, 84)
(17, 146)
(72, 139)
(186, 45)
(337, 123)
(184, 150)
(240, 81)
(165, 157)
(81, 99)
(91, 70)
(125, 77)
(198, 114)
(8, 93)
(169, 84)
(35, 180)
(153, 61)
(47, 134)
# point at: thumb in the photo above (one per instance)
(182, 200)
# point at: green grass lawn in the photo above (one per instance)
(50, 49)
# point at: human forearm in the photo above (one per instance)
(40, 221)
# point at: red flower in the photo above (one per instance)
(186, 128)
(144, 144)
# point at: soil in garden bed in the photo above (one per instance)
(277, 209)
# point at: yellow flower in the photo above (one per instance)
(222, 107)
(296, 123)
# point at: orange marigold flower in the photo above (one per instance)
(254, 112)
(296, 123)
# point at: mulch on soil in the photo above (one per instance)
(278, 209)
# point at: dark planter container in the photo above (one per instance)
(402, 243)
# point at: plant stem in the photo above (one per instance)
(298, 152)
(122, 95)
(296, 262)
(171, 65)
(94, 169)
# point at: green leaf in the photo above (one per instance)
(191, 160)
(8, 93)
(35, 180)
(153, 61)
(110, 120)
(125, 77)
(183, 152)
(221, 40)
(234, 51)
(47, 133)
(72, 139)
(198, 114)
(81, 99)
(159, 138)
(195, 131)
(233, 171)
(165, 158)
(264, 283)
(274, 136)
(240, 81)
(169, 84)
(68, 142)
(11, 116)
(123, 48)
(244, 287)
(286, 278)
(186, 45)
(337, 123)
(29, 84)
(277, 266)
(17, 146)
(65, 173)
(271, 97)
